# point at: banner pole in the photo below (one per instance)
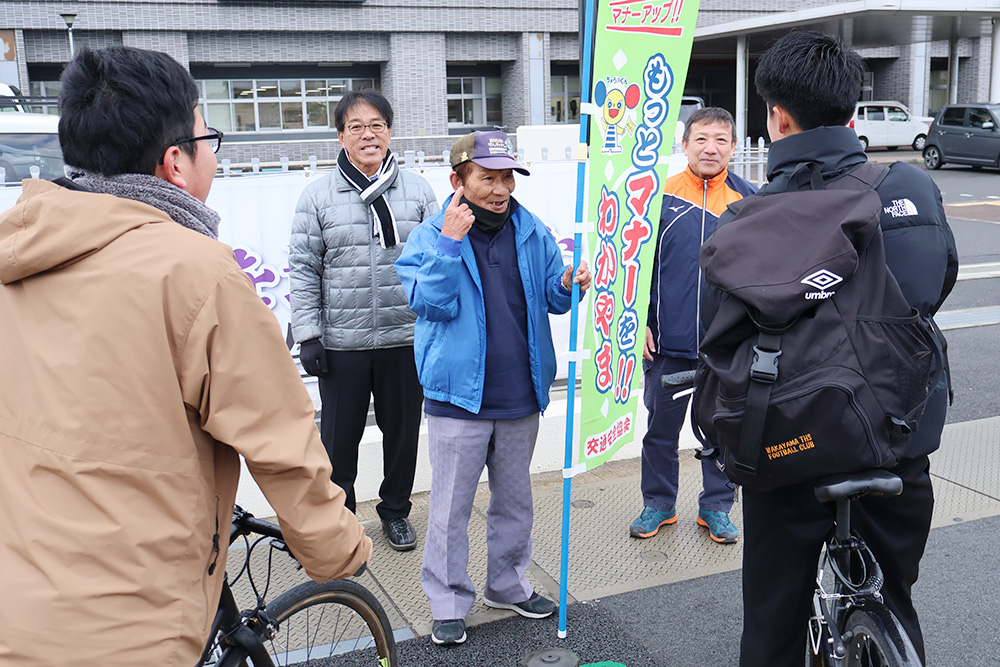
(586, 66)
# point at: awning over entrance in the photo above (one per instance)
(862, 24)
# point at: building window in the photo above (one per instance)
(474, 101)
(938, 86)
(565, 99)
(45, 97)
(274, 105)
(868, 87)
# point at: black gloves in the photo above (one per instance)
(313, 357)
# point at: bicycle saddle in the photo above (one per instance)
(857, 484)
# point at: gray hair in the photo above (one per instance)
(710, 115)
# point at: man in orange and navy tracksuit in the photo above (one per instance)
(693, 200)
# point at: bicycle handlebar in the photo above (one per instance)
(245, 523)
(677, 380)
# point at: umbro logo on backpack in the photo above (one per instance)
(821, 280)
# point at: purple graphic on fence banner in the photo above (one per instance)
(263, 276)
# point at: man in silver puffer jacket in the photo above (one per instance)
(349, 312)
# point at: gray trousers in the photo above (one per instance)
(458, 449)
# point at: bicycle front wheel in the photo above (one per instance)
(877, 639)
(331, 623)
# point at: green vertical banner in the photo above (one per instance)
(641, 54)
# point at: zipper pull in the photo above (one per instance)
(215, 550)
(215, 540)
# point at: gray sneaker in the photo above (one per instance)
(446, 633)
(534, 607)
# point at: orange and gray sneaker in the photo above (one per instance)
(649, 522)
(720, 528)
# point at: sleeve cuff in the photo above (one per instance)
(448, 246)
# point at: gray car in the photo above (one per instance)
(964, 134)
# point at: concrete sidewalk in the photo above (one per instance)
(605, 561)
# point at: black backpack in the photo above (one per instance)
(814, 363)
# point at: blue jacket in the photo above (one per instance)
(691, 206)
(444, 290)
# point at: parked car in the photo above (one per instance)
(889, 125)
(964, 134)
(29, 140)
(10, 99)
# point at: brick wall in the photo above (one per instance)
(974, 72)
(174, 44)
(52, 46)
(414, 80)
(296, 47)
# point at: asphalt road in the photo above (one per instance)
(972, 202)
(696, 623)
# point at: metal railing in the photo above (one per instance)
(750, 161)
(33, 103)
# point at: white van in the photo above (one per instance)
(29, 140)
(889, 125)
(9, 99)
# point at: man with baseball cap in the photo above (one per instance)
(482, 276)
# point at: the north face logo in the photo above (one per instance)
(901, 208)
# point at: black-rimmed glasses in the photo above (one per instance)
(358, 128)
(214, 139)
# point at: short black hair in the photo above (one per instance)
(121, 108)
(710, 116)
(816, 78)
(370, 96)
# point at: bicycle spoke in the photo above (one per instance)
(321, 633)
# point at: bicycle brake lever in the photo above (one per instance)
(280, 545)
(706, 453)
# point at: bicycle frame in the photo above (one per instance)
(854, 610)
(845, 552)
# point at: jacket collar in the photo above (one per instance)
(835, 150)
(710, 184)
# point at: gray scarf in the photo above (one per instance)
(183, 208)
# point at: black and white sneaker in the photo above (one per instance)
(446, 633)
(534, 607)
(400, 532)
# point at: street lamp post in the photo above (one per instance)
(69, 18)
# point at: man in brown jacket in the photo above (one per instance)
(137, 364)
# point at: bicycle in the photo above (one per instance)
(330, 623)
(851, 626)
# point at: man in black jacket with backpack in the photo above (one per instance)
(810, 83)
